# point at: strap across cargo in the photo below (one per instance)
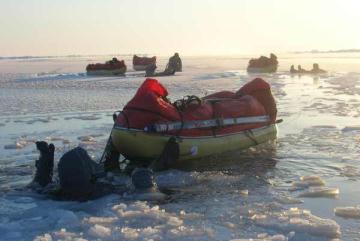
(218, 122)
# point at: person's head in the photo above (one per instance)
(176, 54)
(299, 66)
(114, 59)
(273, 56)
(292, 67)
(315, 66)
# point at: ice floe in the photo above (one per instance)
(286, 199)
(298, 220)
(265, 237)
(19, 144)
(348, 212)
(351, 128)
(86, 138)
(308, 181)
(329, 192)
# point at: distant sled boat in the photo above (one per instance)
(140, 63)
(109, 68)
(263, 64)
(221, 122)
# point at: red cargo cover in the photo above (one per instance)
(106, 66)
(150, 106)
(143, 60)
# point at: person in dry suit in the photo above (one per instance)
(174, 63)
(78, 175)
(316, 69)
(80, 178)
(150, 71)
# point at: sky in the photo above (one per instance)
(191, 27)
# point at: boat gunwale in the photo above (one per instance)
(191, 137)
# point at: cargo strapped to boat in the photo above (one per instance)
(218, 122)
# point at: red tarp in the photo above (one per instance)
(143, 60)
(106, 66)
(149, 106)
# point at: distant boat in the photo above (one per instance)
(263, 64)
(112, 67)
(140, 63)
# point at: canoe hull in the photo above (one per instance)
(140, 145)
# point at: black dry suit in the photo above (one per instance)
(78, 174)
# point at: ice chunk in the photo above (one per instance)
(298, 220)
(17, 145)
(265, 237)
(101, 220)
(308, 181)
(244, 192)
(100, 231)
(45, 237)
(65, 235)
(320, 192)
(55, 138)
(351, 128)
(229, 225)
(348, 212)
(129, 233)
(284, 199)
(86, 138)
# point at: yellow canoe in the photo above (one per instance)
(137, 144)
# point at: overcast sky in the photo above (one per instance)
(191, 27)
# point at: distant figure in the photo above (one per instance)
(273, 59)
(150, 70)
(293, 70)
(316, 69)
(301, 70)
(113, 61)
(175, 63)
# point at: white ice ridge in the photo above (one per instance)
(297, 220)
(135, 221)
(308, 181)
(348, 212)
(329, 192)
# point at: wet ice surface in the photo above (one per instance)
(303, 188)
